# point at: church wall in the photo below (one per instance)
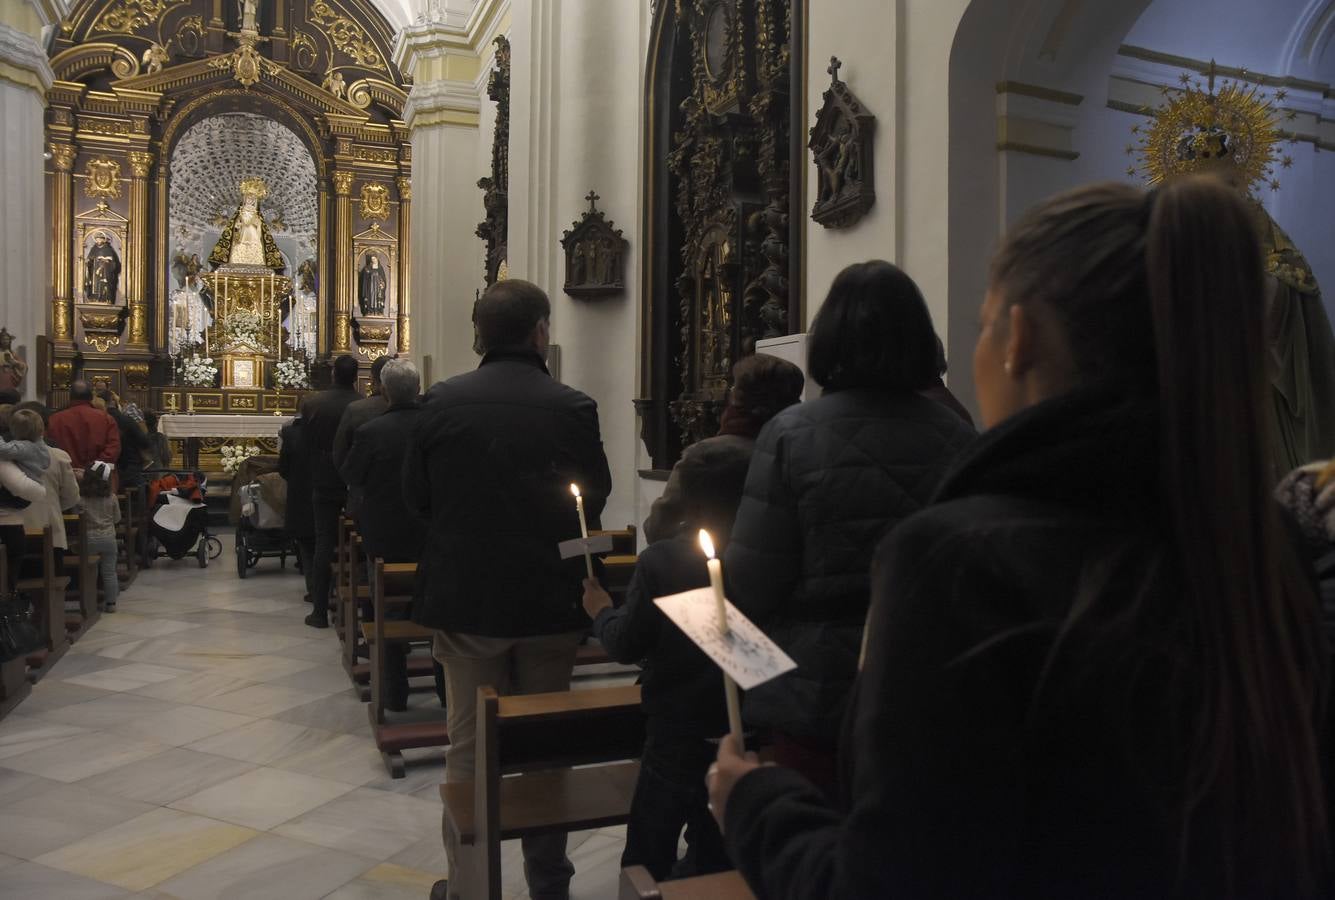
(23, 246)
(870, 60)
(574, 128)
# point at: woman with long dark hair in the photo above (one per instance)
(1094, 667)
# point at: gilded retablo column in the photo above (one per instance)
(141, 163)
(344, 265)
(62, 230)
(405, 263)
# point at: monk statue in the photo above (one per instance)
(371, 287)
(101, 271)
(246, 240)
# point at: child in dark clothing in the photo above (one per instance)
(682, 689)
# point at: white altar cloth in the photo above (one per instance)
(197, 426)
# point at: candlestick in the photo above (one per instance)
(583, 528)
(715, 567)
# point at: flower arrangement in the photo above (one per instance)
(233, 457)
(291, 374)
(198, 371)
(243, 327)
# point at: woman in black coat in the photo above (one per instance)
(1094, 667)
(827, 479)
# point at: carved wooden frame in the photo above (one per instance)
(841, 148)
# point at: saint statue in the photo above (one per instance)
(371, 287)
(12, 368)
(189, 312)
(246, 240)
(302, 314)
(101, 271)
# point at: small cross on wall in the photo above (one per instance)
(835, 66)
(593, 200)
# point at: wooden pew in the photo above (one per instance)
(81, 567)
(638, 884)
(46, 592)
(392, 588)
(14, 684)
(571, 757)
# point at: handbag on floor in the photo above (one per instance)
(18, 635)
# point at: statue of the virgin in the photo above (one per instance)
(246, 240)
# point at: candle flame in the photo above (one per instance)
(706, 543)
(574, 489)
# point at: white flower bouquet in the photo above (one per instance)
(198, 371)
(290, 374)
(243, 327)
(233, 457)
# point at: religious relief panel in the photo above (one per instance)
(496, 186)
(841, 144)
(720, 178)
(104, 178)
(595, 254)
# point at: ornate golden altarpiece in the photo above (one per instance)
(132, 77)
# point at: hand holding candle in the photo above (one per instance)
(583, 527)
(715, 567)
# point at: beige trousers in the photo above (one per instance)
(531, 665)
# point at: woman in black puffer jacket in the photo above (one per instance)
(828, 479)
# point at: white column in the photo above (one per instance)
(25, 77)
(442, 114)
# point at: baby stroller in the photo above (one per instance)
(259, 503)
(180, 520)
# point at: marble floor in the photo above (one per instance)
(203, 743)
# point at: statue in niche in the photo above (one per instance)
(303, 312)
(190, 310)
(101, 271)
(248, 14)
(246, 240)
(12, 368)
(371, 287)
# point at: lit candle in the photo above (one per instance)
(583, 528)
(715, 567)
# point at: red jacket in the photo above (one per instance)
(86, 433)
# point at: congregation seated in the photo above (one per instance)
(62, 488)
(1094, 666)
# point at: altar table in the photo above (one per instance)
(193, 428)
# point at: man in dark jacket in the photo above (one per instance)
(323, 413)
(374, 467)
(299, 519)
(357, 414)
(493, 455)
(84, 432)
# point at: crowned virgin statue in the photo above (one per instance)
(246, 240)
(1232, 133)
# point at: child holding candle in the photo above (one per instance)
(682, 690)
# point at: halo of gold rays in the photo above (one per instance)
(1201, 128)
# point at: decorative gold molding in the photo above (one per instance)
(374, 201)
(127, 16)
(343, 183)
(62, 156)
(141, 163)
(345, 35)
(405, 184)
(1040, 92)
(103, 178)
